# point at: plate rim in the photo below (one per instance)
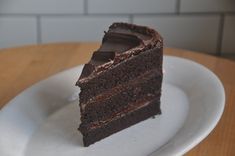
(200, 136)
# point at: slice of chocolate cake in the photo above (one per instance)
(121, 84)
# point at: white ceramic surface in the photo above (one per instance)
(43, 119)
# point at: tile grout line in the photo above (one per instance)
(179, 14)
(220, 35)
(39, 31)
(85, 7)
(178, 2)
(113, 14)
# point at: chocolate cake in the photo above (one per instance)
(121, 84)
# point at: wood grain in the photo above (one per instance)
(24, 66)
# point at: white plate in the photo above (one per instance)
(43, 120)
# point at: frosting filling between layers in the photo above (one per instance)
(149, 60)
(131, 108)
(119, 88)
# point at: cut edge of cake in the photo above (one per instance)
(121, 84)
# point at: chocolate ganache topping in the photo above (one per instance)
(118, 44)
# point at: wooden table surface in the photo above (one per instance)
(24, 66)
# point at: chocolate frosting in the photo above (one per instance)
(130, 59)
(120, 42)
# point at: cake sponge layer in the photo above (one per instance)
(153, 108)
(118, 98)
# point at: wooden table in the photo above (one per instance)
(22, 67)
